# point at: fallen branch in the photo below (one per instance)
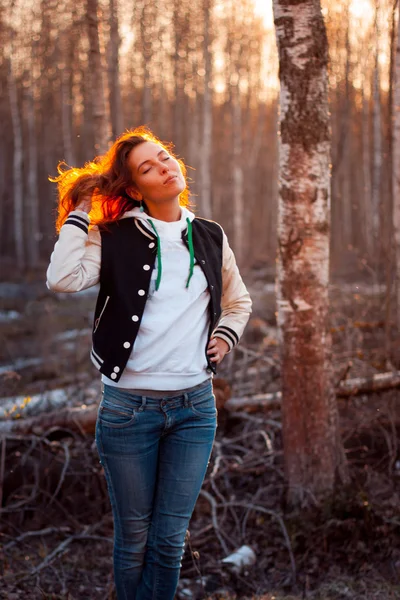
(345, 389)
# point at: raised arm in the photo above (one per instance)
(75, 260)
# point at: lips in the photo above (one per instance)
(169, 179)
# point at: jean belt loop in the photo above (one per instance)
(143, 405)
(185, 399)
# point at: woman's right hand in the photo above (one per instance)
(85, 204)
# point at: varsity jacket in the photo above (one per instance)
(83, 258)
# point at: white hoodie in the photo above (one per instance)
(169, 350)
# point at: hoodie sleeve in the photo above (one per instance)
(75, 260)
(235, 303)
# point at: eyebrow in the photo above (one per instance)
(149, 159)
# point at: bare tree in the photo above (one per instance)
(396, 166)
(19, 239)
(32, 195)
(206, 146)
(99, 113)
(114, 85)
(312, 446)
(377, 139)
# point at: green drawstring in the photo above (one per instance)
(159, 264)
(191, 252)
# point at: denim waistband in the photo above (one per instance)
(161, 393)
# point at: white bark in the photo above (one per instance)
(312, 448)
(99, 112)
(67, 47)
(114, 86)
(205, 156)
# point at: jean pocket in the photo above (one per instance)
(204, 407)
(116, 415)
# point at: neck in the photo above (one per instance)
(164, 213)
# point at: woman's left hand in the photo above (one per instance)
(217, 348)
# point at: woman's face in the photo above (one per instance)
(157, 176)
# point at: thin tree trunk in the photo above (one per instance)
(67, 45)
(17, 171)
(396, 168)
(313, 451)
(99, 114)
(32, 200)
(366, 163)
(238, 183)
(114, 86)
(205, 157)
(377, 147)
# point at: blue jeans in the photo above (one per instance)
(155, 454)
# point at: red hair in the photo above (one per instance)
(106, 180)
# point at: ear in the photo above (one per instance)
(134, 193)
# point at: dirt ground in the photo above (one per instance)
(55, 522)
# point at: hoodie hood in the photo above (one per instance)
(169, 230)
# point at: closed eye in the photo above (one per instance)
(147, 170)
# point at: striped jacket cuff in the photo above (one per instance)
(227, 334)
(78, 220)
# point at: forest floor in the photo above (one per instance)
(55, 521)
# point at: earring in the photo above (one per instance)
(141, 206)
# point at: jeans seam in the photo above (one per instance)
(157, 561)
(112, 500)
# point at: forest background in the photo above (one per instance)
(204, 75)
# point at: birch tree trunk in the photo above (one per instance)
(377, 144)
(205, 156)
(313, 451)
(17, 171)
(396, 167)
(68, 52)
(99, 113)
(114, 86)
(366, 163)
(238, 183)
(32, 199)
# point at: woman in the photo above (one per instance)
(158, 335)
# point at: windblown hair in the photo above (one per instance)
(106, 180)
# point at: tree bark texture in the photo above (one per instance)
(18, 176)
(396, 168)
(312, 447)
(99, 113)
(115, 99)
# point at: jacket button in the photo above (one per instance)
(204, 262)
(113, 376)
(152, 245)
(141, 292)
(116, 369)
(135, 318)
(146, 267)
(209, 370)
(127, 345)
(212, 287)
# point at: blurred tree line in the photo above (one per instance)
(203, 74)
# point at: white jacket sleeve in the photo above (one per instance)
(236, 303)
(75, 260)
